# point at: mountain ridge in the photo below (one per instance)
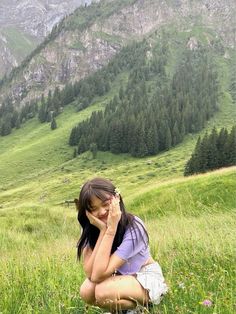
(32, 20)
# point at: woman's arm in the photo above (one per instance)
(104, 264)
(89, 255)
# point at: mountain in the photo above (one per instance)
(86, 40)
(25, 23)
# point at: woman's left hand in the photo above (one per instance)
(114, 213)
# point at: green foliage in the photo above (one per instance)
(93, 149)
(53, 124)
(12, 118)
(214, 151)
(143, 121)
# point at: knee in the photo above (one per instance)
(87, 291)
(103, 294)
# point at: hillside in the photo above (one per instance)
(90, 38)
(38, 243)
(24, 24)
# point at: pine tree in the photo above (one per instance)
(53, 124)
(231, 147)
(168, 139)
(193, 164)
(42, 115)
(152, 139)
(203, 154)
(175, 135)
(73, 136)
(82, 146)
(221, 147)
(93, 149)
(213, 157)
(115, 137)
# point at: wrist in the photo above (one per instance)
(112, 234)
(103, 230)
(111, 231)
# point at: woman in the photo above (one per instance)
(114, 245)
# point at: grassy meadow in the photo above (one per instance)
(191, 221)
(191, 224)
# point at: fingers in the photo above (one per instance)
(114, 204)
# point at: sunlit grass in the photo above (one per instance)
(192, 235)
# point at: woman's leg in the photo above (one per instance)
(87, 291)
(120, 292)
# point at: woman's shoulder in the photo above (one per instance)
(136, 224)
(138, 221)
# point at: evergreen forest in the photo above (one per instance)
(213, 151)
(154, 111)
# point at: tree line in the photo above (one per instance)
(213, 151)
(152, 112)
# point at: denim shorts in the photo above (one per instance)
(151, 278)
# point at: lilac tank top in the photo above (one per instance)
(135, 252)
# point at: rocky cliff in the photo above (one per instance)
(25, 23)
(78, 51)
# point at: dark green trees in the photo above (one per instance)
(53, 124)
(152, 113)
(214, 151)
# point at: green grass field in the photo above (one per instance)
(191, 221)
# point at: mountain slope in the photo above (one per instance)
(31, 21)
(86, 40)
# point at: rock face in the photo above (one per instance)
(31, 20)
(73, 55)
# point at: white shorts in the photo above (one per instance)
(151, 278)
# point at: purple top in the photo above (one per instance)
(135, 252)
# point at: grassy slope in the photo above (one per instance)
(192, 235)
(20, 44)
(35, 160)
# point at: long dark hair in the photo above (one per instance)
(100, 188)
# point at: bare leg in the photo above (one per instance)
(120, 292)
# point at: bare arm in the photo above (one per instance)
(89, 255)
(105, 263)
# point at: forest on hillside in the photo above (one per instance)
(213, 151)
(153, 111)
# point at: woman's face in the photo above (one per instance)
(100, 208)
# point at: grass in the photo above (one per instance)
(18, 42)
(192, 235)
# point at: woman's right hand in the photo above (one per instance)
(95, 221)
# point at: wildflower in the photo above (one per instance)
(207, 303)
(181, 285)
(117, 191)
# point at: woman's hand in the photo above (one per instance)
(95, 221)
(114, 214)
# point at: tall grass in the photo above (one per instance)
(192, 235)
